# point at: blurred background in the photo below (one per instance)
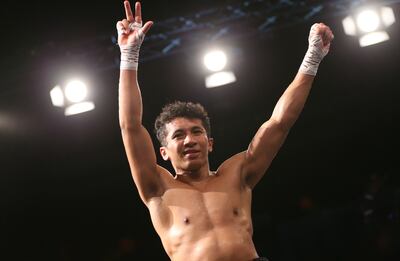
(66, 193)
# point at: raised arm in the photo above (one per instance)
(271, 135)
(138, 145)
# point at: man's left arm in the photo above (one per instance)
(271, 135)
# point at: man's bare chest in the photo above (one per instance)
(211, 204)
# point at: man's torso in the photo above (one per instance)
(206, 220)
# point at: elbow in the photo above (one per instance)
(129, 122)
(129, 125)
(285, 123)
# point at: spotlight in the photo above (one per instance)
(369, 25)
(57, 96)
(216, 61)
(219, 79)
(75, 91)
(72, 98)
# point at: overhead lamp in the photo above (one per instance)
(369, 24)
(216, 61)
(72, 98)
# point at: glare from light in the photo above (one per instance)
(6, 122)
(368, 21)
(79, 108)
(57, 96)
(349, 26)
(220, 78)
(215, 60)
(387, 16)
(76, 91)
(373, 38)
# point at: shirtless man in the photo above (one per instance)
(201, 214)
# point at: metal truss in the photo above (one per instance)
(239, 20)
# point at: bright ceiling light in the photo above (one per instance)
(368, 21)
(373, 38)
(387, 16)
(57, 96)
(349, 26)
(369, 25)
(220, 78)
(79, 108)
(76, 91)
(215, 60)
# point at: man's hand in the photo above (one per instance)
(131, 34)
(320, 37)
(319, 41)
(131, 29)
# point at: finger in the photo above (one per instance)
(147, 26)
(128, 11)
(126, 24)
(138, 12)
(120, 28)
(123, 27)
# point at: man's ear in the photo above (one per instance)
(210, 144)
(164, 154)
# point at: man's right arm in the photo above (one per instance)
(137, 141)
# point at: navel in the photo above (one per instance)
(235, 211)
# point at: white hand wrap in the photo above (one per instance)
(315, 53)
(130, 52)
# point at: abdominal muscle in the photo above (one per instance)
(216, 244)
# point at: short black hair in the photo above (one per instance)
(179, 109)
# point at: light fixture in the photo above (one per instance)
(216, 61)
(75, 91)
(369, 24)
(72, 98)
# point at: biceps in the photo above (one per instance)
(263, 149)
(142, 160)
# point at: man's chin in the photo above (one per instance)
(193, 164)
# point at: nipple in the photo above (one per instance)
(186, 220)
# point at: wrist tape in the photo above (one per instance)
(315, 53)
(130, 51)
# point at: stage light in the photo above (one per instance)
(75, 91)
(368, 21)
(215, 60)
(57, 96)
(79, 108)
(373, 38)
(369, 25)
(219, 79)
(72, 98)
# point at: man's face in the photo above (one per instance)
(187, 144)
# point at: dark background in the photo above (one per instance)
(66, 189)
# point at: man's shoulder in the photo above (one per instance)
(234, 161)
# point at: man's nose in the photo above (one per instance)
(189, 140)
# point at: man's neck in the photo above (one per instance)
(199, 175)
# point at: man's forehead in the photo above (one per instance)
(183, 123)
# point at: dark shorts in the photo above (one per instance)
(261, 259)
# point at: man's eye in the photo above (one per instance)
(177, 136)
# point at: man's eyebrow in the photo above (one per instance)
(197, 127)
(176, 131)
